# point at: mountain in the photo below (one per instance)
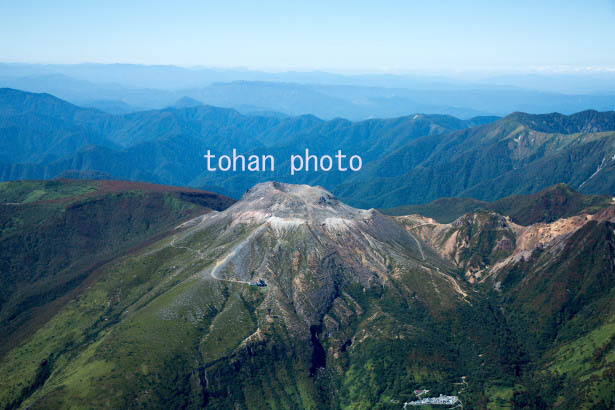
(56, 234)
(407, 160)
(582, 122)
(554, 283)
(167, 146)
(518, 154)
(373, 139)
(553, 203)
(187, 102)
(114, 107)
(84, 92)
(41, 128)
(174, 77)
(326, 101)
(348, 294)
(327, 95)
(291, 299)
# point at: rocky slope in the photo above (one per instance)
(307, 244)
(483, 243)
(555, 284)
(343, 286)
(291, 299)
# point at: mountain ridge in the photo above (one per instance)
(56, 234)
(356, 97)
(406, 160)
(552, 203)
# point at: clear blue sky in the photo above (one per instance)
(398, 36)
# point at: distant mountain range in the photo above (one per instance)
(518, 154)
(412, 159)
(43, 137)
(122, 88)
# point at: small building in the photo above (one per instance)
(260, 283)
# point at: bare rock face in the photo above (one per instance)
(483, 243)
(286, 206)
(473, 242)
(307, 246)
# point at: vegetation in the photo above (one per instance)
(408, 160)
(55, 235)
(129, 317)
(558, 201)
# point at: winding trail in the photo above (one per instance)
(222, 262)
(418, 244)
(408, 228)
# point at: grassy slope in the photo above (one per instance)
(560, 302)
(55, 234)
(144, 334)
(150, 334)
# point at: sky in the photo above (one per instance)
(342, 36)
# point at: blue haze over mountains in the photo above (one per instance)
(408, 159)
(469, 262)
(123, 88)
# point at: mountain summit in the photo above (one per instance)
(287, 287)
(308, 246)
(290, 298)
(295, 204)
